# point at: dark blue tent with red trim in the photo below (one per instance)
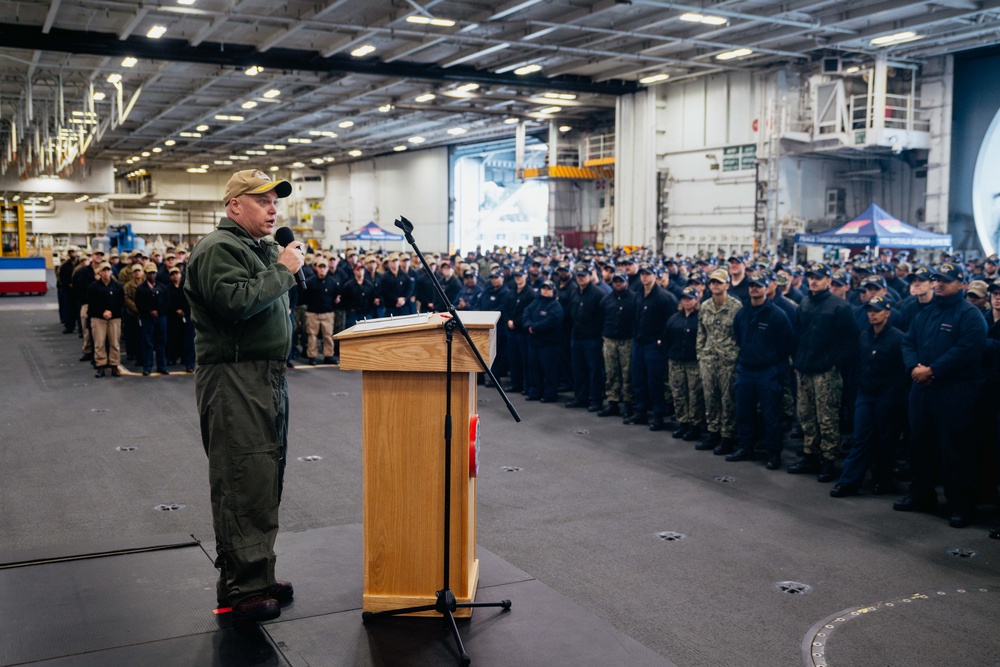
(371, 232)
(876, 228)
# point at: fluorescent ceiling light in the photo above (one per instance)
(654, 78)
(157, 150)
(299, 140)
(317, 160)
(346, 124)
(156, 31)
(185, 2)
(399, 149)
(528, 69)
(898, 38)
(329, 158)
(560, 96)
(225, 117)
(416, 140)
(274, 147)
(253, 70)
(363, 51)
(738, 53)
(191, 135)
(223, 161)
(702, 18)
(467, 88)
(249, 104)
(114, 78)
(239, 157)
(196, 170)
(852, 69)
(426, 97)
(455, 131)
(253, 152)
(275, 168)
(202, 128)
(385, 108)
(565, 128)
(145, 153)
(129, 61)
(98, 95)
(169, 142)
(550, 110)
(511, 121)
(274, 92)
(298, 165)
(354, 153)
(428, 20)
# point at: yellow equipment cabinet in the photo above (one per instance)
(12, 217)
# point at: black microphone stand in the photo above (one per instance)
(446, 604)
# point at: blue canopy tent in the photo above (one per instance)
(876, 229)
(371, 232)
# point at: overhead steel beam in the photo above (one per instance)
(240, 56)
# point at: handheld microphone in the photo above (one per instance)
(284, 236)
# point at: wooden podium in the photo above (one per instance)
(403, 363)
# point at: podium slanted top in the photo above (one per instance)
(417, 343)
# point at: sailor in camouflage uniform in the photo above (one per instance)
(717, 351)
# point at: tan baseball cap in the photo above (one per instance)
(150, 268)
(719, 274)
(254, 181)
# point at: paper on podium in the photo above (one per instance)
(391, 322)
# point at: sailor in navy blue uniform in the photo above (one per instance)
(942, 352)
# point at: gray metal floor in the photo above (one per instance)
(581, 516)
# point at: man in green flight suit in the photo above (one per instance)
(237, 284)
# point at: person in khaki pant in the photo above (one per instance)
(321, 294)
(105, 305)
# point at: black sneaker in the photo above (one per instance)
(840, 490)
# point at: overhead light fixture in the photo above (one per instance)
(399, 149)
(145, 153)
(429, 20)
(196, 170)
(346, 124)
(223, 161)
(560, 96)
(191, 135)
(455, 131)
(702, 18)
(130, 61)
(230, 118)
(511, 121)
(253, 70)
(317, 160)
(329, 158)
(362, 51)
(426, 97)
(156, 31)
(467, 88)
(354, 153)
(98, 95)
(185, 2)
(202, 128)
(738, 53)
(157, 150)
(298, 165)
(653, 78)
(239, 157)
(114, 78)
(528, 69)
(550, 110)
(565, 128)
(169, 142)
(416, 140)
(385, 108)
(853, 69)
(249, 104)
(898, 38)
(274, 168)
(274, 147)
(271, 94)
(299, 140)
(253, 152)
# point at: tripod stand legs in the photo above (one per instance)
(446, 605)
